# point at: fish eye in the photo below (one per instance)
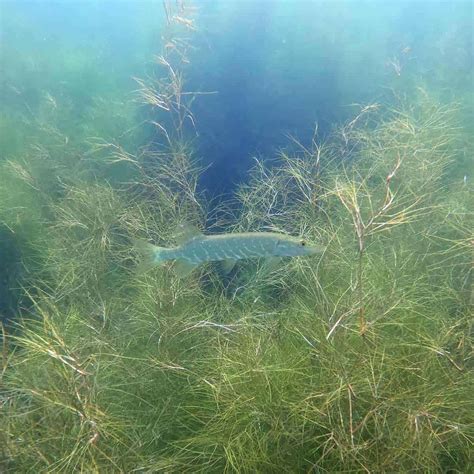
(303, 243)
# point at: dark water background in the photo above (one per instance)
(278, 66)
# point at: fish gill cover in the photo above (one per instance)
(348, 124)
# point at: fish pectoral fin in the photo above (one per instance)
(227, 265)
(183, 268)
(271, 263)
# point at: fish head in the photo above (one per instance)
(295, 247)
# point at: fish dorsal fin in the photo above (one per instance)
(227, 265)
(186, 232)
(182, 268)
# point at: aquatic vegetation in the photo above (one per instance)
(355, 360)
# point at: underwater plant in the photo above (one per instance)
(115, 371)
(358, 359)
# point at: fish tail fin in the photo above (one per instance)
(149, 255)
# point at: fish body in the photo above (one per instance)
(228, 248)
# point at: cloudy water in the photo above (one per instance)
(323, 322)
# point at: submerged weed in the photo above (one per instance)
(357, 360)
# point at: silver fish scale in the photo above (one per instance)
(217, 248)
(238, 246)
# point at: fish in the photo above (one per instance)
(195, 248)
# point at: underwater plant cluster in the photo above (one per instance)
(355, 359)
